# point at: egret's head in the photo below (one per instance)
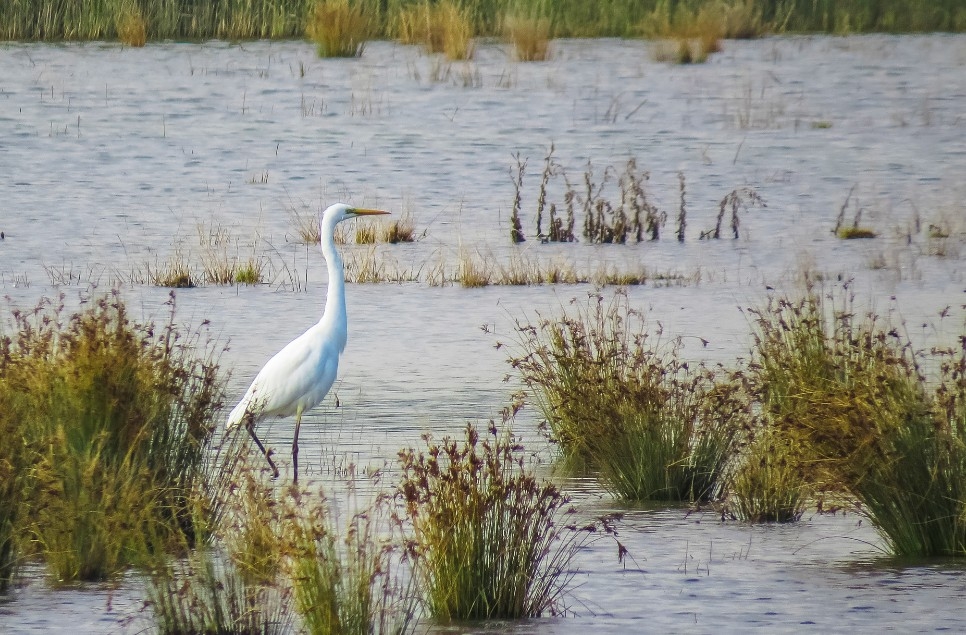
(340, 212)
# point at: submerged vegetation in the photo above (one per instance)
(339, 25)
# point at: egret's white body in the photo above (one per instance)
(299, 376)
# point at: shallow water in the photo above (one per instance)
(112, 157)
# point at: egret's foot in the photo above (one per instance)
(268, 457)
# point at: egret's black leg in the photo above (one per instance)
(250, 426)
(295, 447)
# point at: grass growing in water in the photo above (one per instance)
(345, 581)
(488, 536)
(851, 393)
(529, 36)
(116, 419)
(654, 427)
(769, 485)
(441, 27)
(16, 460)
(207, 593)
(338, 28)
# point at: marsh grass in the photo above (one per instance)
(851, 233)
(365, 233)
(305, 224)
(616, 205)
(489, 538)
(175, 272)
(220, 262)
(252, 527)
(339, 28)
(737, 200)
(522, 270)
(57, 20)
(689, 33)
(250, 272)
(768, 486)
(855, 230)
(473, 271)
(614, 395)
(401, 230)
(347, 580)
(441, 27)
(528, 35)
(130, 25)
(207, 593)
(116, 417)
(851, 393)
(16, 462)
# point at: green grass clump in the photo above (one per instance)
(768, 486)
(112, 421)
(851, 233)
(488, 541)
(345, 580)
(365, 234)
(655, 427)
(207, 593)
(338, 28)
(851, 395)
(15, 463)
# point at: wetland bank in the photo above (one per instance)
(111, 177)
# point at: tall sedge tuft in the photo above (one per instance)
(489, 540)
(614, 396)
(851, 392)
(117, 420)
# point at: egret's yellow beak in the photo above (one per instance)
(362, 211)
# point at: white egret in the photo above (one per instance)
(298, 377)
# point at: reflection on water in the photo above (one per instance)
(112, 157)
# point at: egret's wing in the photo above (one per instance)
(302, 372)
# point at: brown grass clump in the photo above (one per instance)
(338, 28)
(131, 25)
(442, 27)
(529, 36)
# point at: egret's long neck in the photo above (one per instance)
(334, 318)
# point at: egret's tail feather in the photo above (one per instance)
(238, 414)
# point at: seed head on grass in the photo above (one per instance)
(117, 418)
(347, 579)
(613, 395)
(488, 536)
(851, 393)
